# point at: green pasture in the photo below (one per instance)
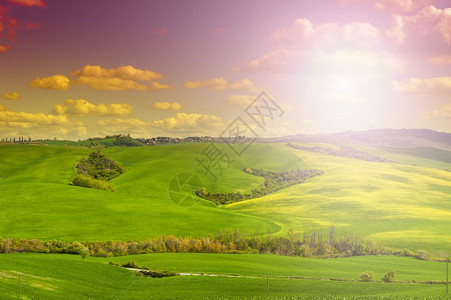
(53, 276)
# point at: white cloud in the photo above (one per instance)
(55, 82)
(398, 6)
(428, 31)
(431, 85)
(240, 100)
(295, 46)
(11, 96)
(167, 106)
(217, 84)
(82, 107)
(159, 86)
(443, 112)
(183, 122)
(23, 119)
(120, 78)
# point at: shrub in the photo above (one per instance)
(84, 252)
(389, 276)
(158, 274)
(366, 276)
(131, 264)
(84, 181)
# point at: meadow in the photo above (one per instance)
(407, 205)
(57, 276)
(403, 205)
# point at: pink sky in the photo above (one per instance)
(76, 69)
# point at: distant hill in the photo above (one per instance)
(402, 138)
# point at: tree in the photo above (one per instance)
(389, 276)
(84, 252)
(366, 276)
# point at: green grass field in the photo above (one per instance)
(400, 205)
(67, 276)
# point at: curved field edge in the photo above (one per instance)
(55, 276)
(399, 205)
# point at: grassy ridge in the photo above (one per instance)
(68, 277)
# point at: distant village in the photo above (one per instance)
(160, 140)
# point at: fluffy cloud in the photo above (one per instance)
(245, 84)
(10, 25)
(393, 5)
(125, 73)
(160, 31)
(217, 84)
(121, 78)
(55, 82)
(114, 84)
(23, 119)
(416, 85)
(443, 112)
(11, 96)
(358, 60)
(131, 122)
(221, 84)
(441, 60)
(39, 3)
(167, 106)
(82, 107)
(428, 31)
(240, 100)
(4, 48)
(183, 122)
(297, 44)
(159, 86)
(356, 34)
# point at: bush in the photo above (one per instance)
(98, 166)
(158, 274)
(132, 264)
(84, 181)
(366, 276)
(389, 276)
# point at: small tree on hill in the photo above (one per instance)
(84, 252)
(366, 276)
(389, 276)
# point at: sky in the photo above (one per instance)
(79, 69)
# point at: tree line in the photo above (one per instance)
(273, 182)
(307, 244)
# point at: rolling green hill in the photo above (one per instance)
(58, 276)
(402, 205)
(399, 205)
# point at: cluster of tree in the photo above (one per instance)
(273, 182)
(98, 166)
(368, 276)
(127, 141)
(308, 244)
(85, 181)
(20, 139)
(95, 170)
